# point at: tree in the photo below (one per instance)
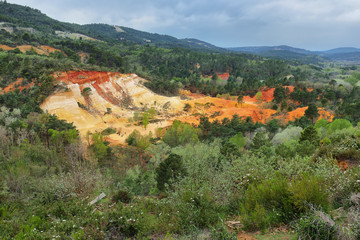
(180, 134)
(238, 140)
(240, 99)
(338, 124)
(279, 94)
(260, 139)
(169, 170)
(310, 134)
(145, 119)
(312, 112)
(86, 92)
(258, 96)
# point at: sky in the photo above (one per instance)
(309, 24)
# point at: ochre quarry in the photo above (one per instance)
(113, 99)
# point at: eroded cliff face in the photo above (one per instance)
(110, 102)
(94, 101)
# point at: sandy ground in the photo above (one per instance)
(43, 50)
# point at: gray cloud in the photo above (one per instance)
(311, 24)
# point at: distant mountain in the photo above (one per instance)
(267, 48)
(342, 50)
(26, 17)
(282, 52)
(303, 55)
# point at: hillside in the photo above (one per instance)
(302, 55)
(114, 98)
(27, 17)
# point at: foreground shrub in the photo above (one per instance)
(267, 204)
(195, 210)
(275, 201)
(313, 227)
(309, 190)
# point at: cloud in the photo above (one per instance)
(302, 23)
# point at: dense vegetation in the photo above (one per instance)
(188, 182)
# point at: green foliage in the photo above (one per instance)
(108, 131)
(258, 96)
(238, 140)
(276, 200)
(313, 227)
(312, 112)
(136, 139)
(309, 191)
(288, 134)
(310, 134)
(279, 94)
(169, 171)
(260, 139)
(145, 119)
(102, 152)
(338, 124)
(180, 134)
(267, 204)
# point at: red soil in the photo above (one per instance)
(12, 86)
(224, 76)
(267, 94)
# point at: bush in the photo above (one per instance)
(195, 210)
(181, 134)
(123, 196)
(309, 190)
(267, 204)
(314, 228)
(275, 201)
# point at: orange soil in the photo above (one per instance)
(218, 109)
(250, 108)
(43, 50)
(12, 86)
(267, 94)
(299, 112)
(224, 76)
(6, 48)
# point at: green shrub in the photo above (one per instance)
(108, 131)
(220, 231)
(195, 210)
(313, 228)
(123, 196)
(309, 190)
(267, 204)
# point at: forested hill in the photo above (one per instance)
(22, 16)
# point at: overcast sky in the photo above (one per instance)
(310, 24)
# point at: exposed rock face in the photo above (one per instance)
(122, 94)
(112, 98)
